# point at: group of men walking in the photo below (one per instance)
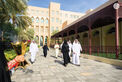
(67, 49)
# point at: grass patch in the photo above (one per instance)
(106, 55)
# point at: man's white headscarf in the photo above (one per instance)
(76, 46)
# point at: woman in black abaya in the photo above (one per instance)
(4, 69)
(4, 72)
(65, 51)
(45, 48)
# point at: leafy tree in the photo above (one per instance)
(7, 30)
(27, 34)
(14, 12)
(30, 33)
(54, 32)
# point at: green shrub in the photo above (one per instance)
(10, 54)
(27, 48)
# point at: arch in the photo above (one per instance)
(37, 19)
(32, 18)
(82, 28)
(71, 32)
(41, 41)
(42, 20)
(46, 21)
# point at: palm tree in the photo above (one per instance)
(14, 11)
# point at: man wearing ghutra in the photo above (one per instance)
(76, 52)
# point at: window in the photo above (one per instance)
(46, 21)
(57, 12)
(37, 20)
(52, 19)
(56, 28)
(57, 20)
(53, 12)
(52, 29)
(32, 19)
(42, 20)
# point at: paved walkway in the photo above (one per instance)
(51, 69)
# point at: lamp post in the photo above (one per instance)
(116, 7)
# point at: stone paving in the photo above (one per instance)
(51, 69)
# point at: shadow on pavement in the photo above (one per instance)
(58, 61)
(117, 67)
(53, 56)
(28, 71)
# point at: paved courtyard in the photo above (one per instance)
(51, 69)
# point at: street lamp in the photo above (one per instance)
(116, 6)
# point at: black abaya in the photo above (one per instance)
(4, 72)
(65, 51)
(45, 48)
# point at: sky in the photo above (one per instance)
(70, 5)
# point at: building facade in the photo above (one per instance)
(45, 21)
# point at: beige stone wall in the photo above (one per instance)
(55, 17)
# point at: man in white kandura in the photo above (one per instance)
(70, 47)
(76, 52)
(33, 51)
(56, 49)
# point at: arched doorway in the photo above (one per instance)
(41, 40)
(46, 40)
